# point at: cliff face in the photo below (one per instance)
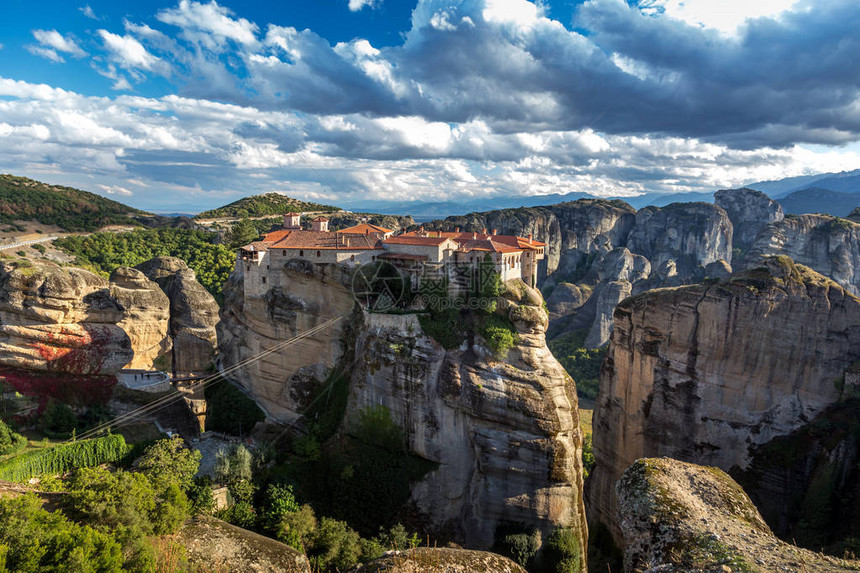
(193, 313)
(439, 560)
(678, 517)
(300, 297)
(68, 320)
(829, 245)
(749, 211)
(703, 373)
(59, 320)
(505, 432)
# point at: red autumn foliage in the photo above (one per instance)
(76, 352)
(70, 389)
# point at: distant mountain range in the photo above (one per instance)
(843, 182)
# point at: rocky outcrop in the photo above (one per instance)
(213, 545)
(687, 236)
(504, 431)
(829, 245)
(854, 215)
(749, 211)
(679, 517)
(60, 319)
(439, 560)
(146, 316)
(193, 313)
(302, 296)
(704, 373)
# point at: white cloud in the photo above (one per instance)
(88, 12)
(46, 53)
(56, 41)
(725, 15)
(356, 5)
(115, 190)
(130, 54)
(209, 24)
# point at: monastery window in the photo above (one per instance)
(264, 280)
(301, 253)
(247, 267)
(318, 254)
(352, 258)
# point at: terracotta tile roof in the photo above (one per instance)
(256, 246)
(365, 228)
(415, 240)
(320, 219)
(325, 240)
(461, 237)
(488, 245)
(276, 236)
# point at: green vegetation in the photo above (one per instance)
(62, 458)
(229, 410)
(583, 364)
(68, 208)
(499, 332)
(107, 521)
(262, 205)
(445, 327)
(10, 442)
(563, 553)
(104, 252)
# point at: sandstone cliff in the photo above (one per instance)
(193, 313)
(749, 211)
(68, 320)
(678, 517)
(59, 320)
(829, 245)
(504, 432)
(703, 373)
(300, 297)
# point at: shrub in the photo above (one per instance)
(500, 334)
(10, 442)
(297, 528)
(445, 327)
(563, 551)
(279, 501)
(63, 458)
(32, 539)
(169, 462)
(58, 420)
(335, 546)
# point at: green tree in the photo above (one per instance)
(241, 233)
(336, 546)
(168, 462)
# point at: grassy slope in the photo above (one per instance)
(261, 205)
(71, 209)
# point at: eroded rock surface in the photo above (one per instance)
(146, 316)
(300, 297)
(214, 545)
(678, 517)
(749, 211)
(505, 432)
(826, 244)
(193, 313)
(704, 373)
(440, 560)
(60, 319)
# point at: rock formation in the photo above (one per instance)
(213, 545)
(749, 211)
(441, 560)
(193, 313)
(505, 432)
(854, 215)
(826, 244)
(68, 320)
(677, 517)
(303, 296)
(59, 319)
(146, 316)
(703, 373)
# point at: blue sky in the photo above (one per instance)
(186, 105)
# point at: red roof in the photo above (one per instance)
(461, 237)
(288, 239)
(366, 228)
(413, 240)
(488, 245)
(320, 220)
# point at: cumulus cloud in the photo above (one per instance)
(209, 24)
(87, 11)
(52, 44)
(356, 5)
